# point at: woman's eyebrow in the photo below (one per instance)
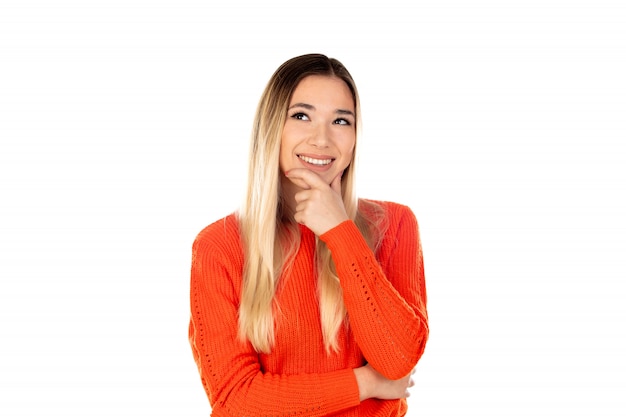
(348, 112)
(304, 105)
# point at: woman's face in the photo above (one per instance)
(320, 132)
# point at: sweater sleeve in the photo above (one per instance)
(230, 369)
(386, 305)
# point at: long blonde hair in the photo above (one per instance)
(270, 238)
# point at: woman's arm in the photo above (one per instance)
(229, 368)
(386, 300)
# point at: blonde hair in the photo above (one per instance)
(270, 238)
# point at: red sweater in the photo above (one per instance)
(385, 298)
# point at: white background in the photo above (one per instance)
(124, 128)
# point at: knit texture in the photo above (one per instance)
(385, 297)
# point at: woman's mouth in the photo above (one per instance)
(315, 161)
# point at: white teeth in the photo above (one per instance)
(315, 161)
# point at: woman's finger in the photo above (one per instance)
(302, 196)
(310, 178)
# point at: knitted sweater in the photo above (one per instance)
(384, 295)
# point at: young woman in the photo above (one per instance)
(308, 301)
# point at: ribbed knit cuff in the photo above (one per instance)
(344, 383)
(344, 237)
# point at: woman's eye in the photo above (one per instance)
(342, 122)
(300, 116)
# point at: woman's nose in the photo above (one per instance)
(320, 136)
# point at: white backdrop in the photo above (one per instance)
(124, 128)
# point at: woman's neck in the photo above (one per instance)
(288, 194)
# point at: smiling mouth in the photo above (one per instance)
(313, 161)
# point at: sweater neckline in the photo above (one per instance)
(305, 232)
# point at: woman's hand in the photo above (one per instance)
(320, 206)
(374, 385)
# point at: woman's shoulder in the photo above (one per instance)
(217, 257)
(221, 235)
(391, 210)
(389, 219)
